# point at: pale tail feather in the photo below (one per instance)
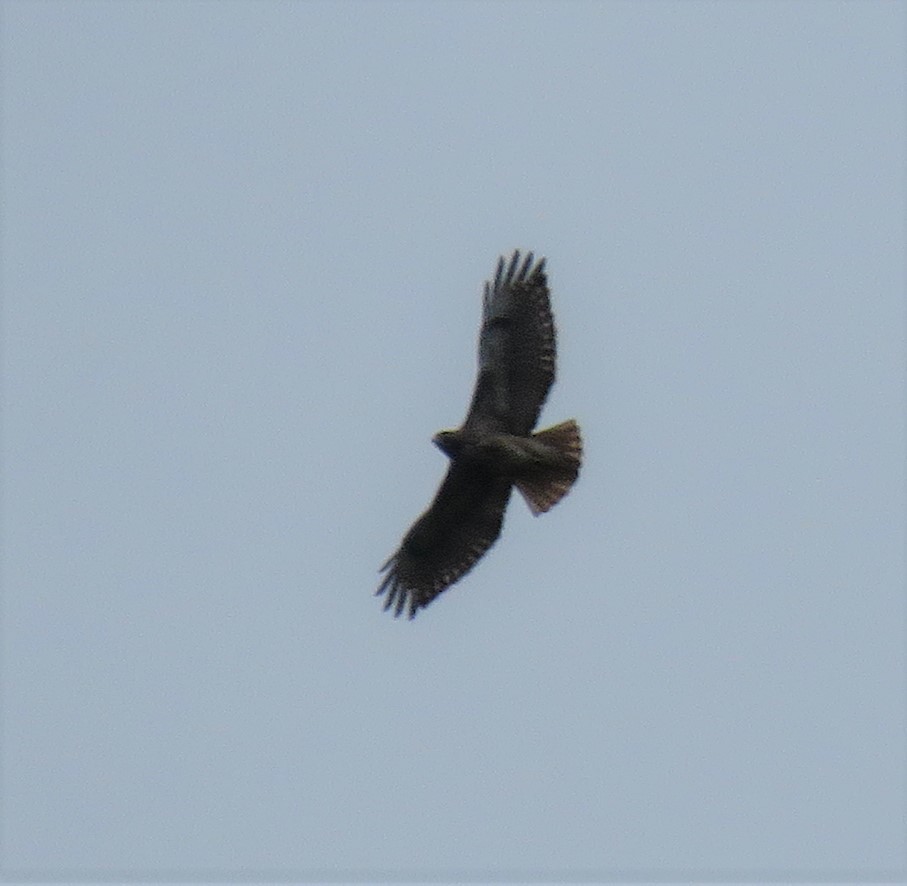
(543, 490)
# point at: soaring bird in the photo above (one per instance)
(495, 448)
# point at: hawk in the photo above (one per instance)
(495, 449)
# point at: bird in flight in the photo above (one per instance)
(495, 448)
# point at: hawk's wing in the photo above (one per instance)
(461, 524)
(516, 349)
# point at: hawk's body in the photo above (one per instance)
(495, 448)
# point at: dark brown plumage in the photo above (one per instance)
(495, 448)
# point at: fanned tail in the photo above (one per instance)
(547, 485)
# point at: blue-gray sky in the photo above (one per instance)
(242, 253)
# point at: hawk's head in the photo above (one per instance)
(449, 442)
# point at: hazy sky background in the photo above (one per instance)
(242, 253)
